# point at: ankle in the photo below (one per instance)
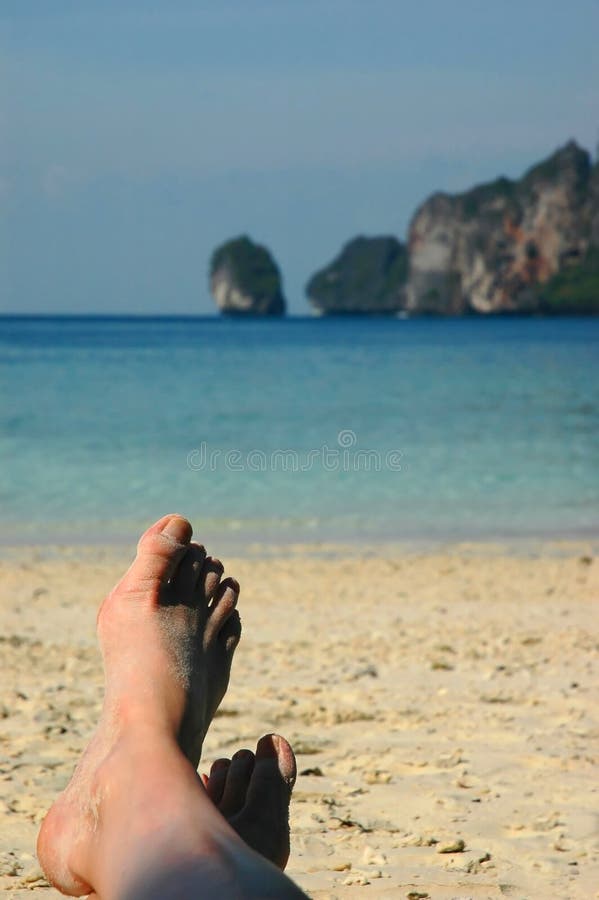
(141, 716)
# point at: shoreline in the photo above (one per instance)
(528, 548)
(247, 541)
(309, 316)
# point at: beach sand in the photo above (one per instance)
(443, 706)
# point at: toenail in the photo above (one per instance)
(177, 528)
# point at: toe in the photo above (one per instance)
(210, 577)
(236, 785)
(222, 608)
(275, 760)
(217, 779)
(183, 583)
(230, 633)
(159, 552)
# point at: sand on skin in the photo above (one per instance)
(432, 698)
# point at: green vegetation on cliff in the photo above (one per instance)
(367, 277)
(509, 196)
(479, 197)
(251, 264)
(573, 290)
(569, 161)
(248, 277)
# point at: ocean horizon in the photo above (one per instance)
(301, 429)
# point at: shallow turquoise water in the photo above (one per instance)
(474, 428)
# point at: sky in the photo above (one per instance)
(135, 136)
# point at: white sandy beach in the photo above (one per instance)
(444, 708)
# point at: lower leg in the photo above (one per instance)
(158, 835)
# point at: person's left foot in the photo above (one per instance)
(252, 791)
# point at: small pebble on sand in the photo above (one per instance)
(456, 846)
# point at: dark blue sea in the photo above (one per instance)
(299, 430)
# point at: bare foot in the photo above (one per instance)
(253, 793)
(167, 632)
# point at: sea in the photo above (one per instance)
(351, 430)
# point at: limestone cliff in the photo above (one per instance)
(245, 280)
(594, 205)
(368, 276)
(510, 246)
(576, 287)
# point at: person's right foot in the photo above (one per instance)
(252, 791)
(167, 632)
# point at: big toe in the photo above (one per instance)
(275, 764)
(159, 552)
(264, 820)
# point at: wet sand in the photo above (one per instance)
(444, 708)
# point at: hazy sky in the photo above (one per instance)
(137, 135)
